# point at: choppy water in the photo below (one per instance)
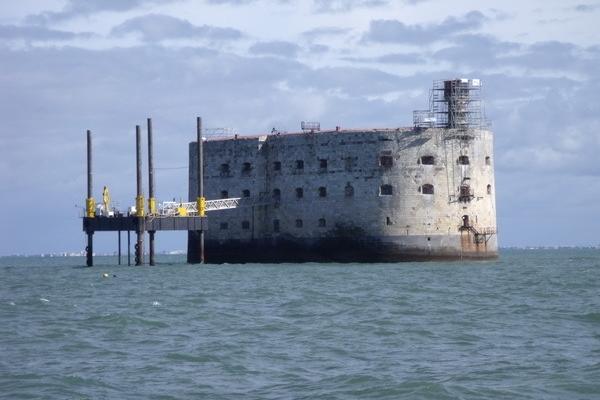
(526, 326)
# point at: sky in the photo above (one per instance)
(107, 65)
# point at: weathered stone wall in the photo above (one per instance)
(375, 194)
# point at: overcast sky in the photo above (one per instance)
(106, 65)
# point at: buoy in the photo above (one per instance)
(105, 275)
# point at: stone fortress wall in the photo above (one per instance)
(351, 195)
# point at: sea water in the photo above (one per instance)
(525, 326)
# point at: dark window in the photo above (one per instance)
(428, 160)
(224, 225)
(299, 193)
(349, 163)
(276, 194)
(323, 164)
(386, 190)
(386, 161)
(224, 194)
(427, 189)
(245, 224)
(277, 166)
(349, 190)
(275, 225)
(299, 164)
(299, 223)
(388, 221)
(245, 193)
(489, 189)
(224, 169)
(322, 223)
(246, 168)
(488, 160)
(322, 191)
(463, 160)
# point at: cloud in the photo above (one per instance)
(394, 31)
(78, 8)
(324, 31)
(37, 33)
(334, 6)
(275, 48)
(392, 58)
(157, 27)
(586, 8)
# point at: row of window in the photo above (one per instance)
(321, 223)
(384, 190)
(385, 161)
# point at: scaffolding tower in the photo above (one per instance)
(453, 104)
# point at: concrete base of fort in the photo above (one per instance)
(461, 246)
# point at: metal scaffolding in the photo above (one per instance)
(453, 104)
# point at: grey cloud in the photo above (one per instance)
(157, 27)
(586, 8)
(484, 52)
(77, 8)
(324, 32)
(394, 31)
(276, 48)
(37, 33)
(393, 58)
(333, 6)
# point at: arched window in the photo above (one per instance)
(463, 160)
(299, 223)
(224, 169)
(489, 189)
(276, 194)
(246, 168)
(224, 194)
(488, 160)
(245, 225)
(349, 190)
(386, 190)
(276, 165)
(427, 189)
(299, 164)
(245, 193)
(322, 223)
(299, 193)
(322, 191)
(428, 160)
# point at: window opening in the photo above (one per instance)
(386, 190)
(245, 225)
(299, 193)
(299, 223)
(463, 160)
(322, 191)
(428, 160)
(322, 223)
(349, 190)
(427, 189)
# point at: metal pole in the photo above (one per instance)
(89, 250)
(129, 248)
(151, 200)
(139, 247)
(200, 175)
(119, 248)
